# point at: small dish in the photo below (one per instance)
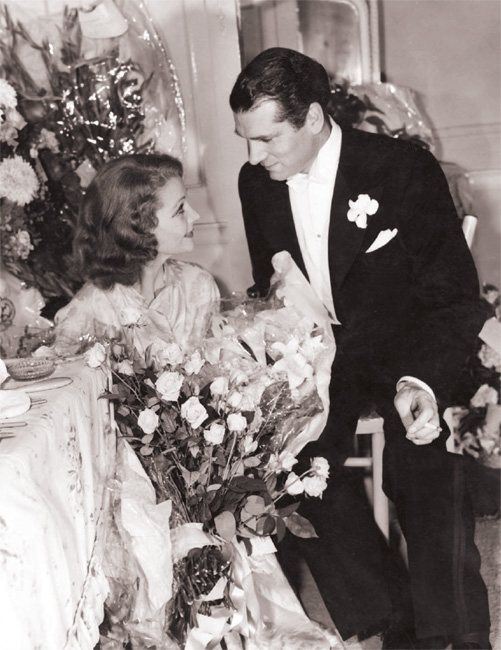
(14, 403)
(26, 369)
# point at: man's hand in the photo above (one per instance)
(419, 414)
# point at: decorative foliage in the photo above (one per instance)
(57, 127)
(361, 107)
(478, 422)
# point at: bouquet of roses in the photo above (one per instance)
(217, 430)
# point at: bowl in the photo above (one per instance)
(26, 369)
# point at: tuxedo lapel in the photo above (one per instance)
(281, 230)
(345, 238)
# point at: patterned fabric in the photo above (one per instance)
(180, 312)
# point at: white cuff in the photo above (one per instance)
(417, 382)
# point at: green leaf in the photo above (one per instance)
(168, 421)
(123, 410)
(281, 528)
(226, 525)
(252, 461)
(247, 484)
(266, 525)
(254, 505)
(288, 510)
(299, 526)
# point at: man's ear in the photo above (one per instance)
(315, 118)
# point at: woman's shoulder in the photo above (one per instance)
(190, 273)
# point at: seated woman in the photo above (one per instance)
(133, 218)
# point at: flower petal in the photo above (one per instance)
(352, 213)
(361, 220)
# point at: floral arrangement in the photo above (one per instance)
(217, 431)
(382, 108)
(26, 203)
(60, 120)
(477, 423)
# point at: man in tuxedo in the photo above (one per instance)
(371, 223)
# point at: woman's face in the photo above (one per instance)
(174, 231)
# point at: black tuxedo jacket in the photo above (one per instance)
(412, 307)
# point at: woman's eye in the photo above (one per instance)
(180, 210)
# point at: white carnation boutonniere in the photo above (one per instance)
(361, 208)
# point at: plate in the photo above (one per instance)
(13, 403)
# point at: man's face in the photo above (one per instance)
(278, 146)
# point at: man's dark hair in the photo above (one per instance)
(290, 78)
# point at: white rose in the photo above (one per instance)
(489, 357)
(168, 385)
(247, 445)
(286, 460)
(320, 466)
(484, 395)
(234, 399)
(156, 352)
(219, 386)
(253, 392)
(214, 435)
(172, 354)
(4, 373)
(238, 376)
(148, 420)
(193, 412)
(236, 422)
(130, 316)
(96, 355)
(273, 463)
(125, 367)
(194, 363)
(293, 484)
(314, 485)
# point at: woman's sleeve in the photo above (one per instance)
(87, 316)
(196, 301)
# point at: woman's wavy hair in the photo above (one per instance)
(293, 80)
(114, 237)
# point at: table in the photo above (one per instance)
(54, 507)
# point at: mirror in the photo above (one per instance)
(337, 33)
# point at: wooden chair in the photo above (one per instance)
(373, 426)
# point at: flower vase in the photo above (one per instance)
(20, 308)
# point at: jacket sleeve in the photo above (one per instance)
(259, 250)
(447, 313)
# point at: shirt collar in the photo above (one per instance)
(325, 161)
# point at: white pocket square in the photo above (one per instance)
(382, 239)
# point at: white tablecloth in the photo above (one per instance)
(53, 512)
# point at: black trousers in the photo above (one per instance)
(363, 582)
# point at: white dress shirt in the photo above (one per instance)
(311, 199)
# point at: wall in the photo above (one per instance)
(449, 52)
